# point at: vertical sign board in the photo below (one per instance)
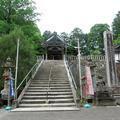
(110, 59)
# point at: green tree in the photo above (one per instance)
(65, 37)
(33, 34)
(77, 34)
(47, 34)
(17, 20)
(16, 12)
(116, 25)
(70, 50)
(117, 41)
(95, 38)
(116, 29)
(8, 44)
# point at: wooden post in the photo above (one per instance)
(79, 69)
(16, 72)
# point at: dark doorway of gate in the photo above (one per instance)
(55, 53)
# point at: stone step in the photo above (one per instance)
(34, 87)
(42, 79)
(55, 78)
(116, 97)
(49, 93)
(48, 105)
(50, 97)
(40, 101)
(60, 77)
(45, 109)
(51, 82)
(51, 85)
(116, 94)
(48, 90)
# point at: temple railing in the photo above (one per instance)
(93, 57)
(88, 57)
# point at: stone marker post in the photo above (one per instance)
(110, 59)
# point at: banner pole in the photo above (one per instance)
(79, 69)
(16, 72)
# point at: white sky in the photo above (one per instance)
(65, 15)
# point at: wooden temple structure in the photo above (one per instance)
(55, 47)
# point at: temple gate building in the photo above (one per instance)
(55, 47)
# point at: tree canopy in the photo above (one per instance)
(17, 21)
(116, 25)
(96, 41)
(116, 29)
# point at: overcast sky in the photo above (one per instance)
(65, 15)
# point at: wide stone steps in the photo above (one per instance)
(53, 81)
(51, 85)
(49, 105)
(47, 109)
(48, 97)
(40, 101)
(34, 87)
(49, 93)
(48, 90)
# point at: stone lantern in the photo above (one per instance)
(7, 76)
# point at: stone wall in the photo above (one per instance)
(98, 69)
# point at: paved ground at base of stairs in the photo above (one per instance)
(95, 113)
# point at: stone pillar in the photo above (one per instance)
(110, 59)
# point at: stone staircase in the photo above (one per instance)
(49, 90)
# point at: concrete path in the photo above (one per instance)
(96, 113)
(3, 114)
(45, 109)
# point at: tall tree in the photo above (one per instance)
(116, 25)
(66, 38)
(77, 34)
(117, 41)
(16, 12)
(96, 42)
(47, 34)
(17, 20)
